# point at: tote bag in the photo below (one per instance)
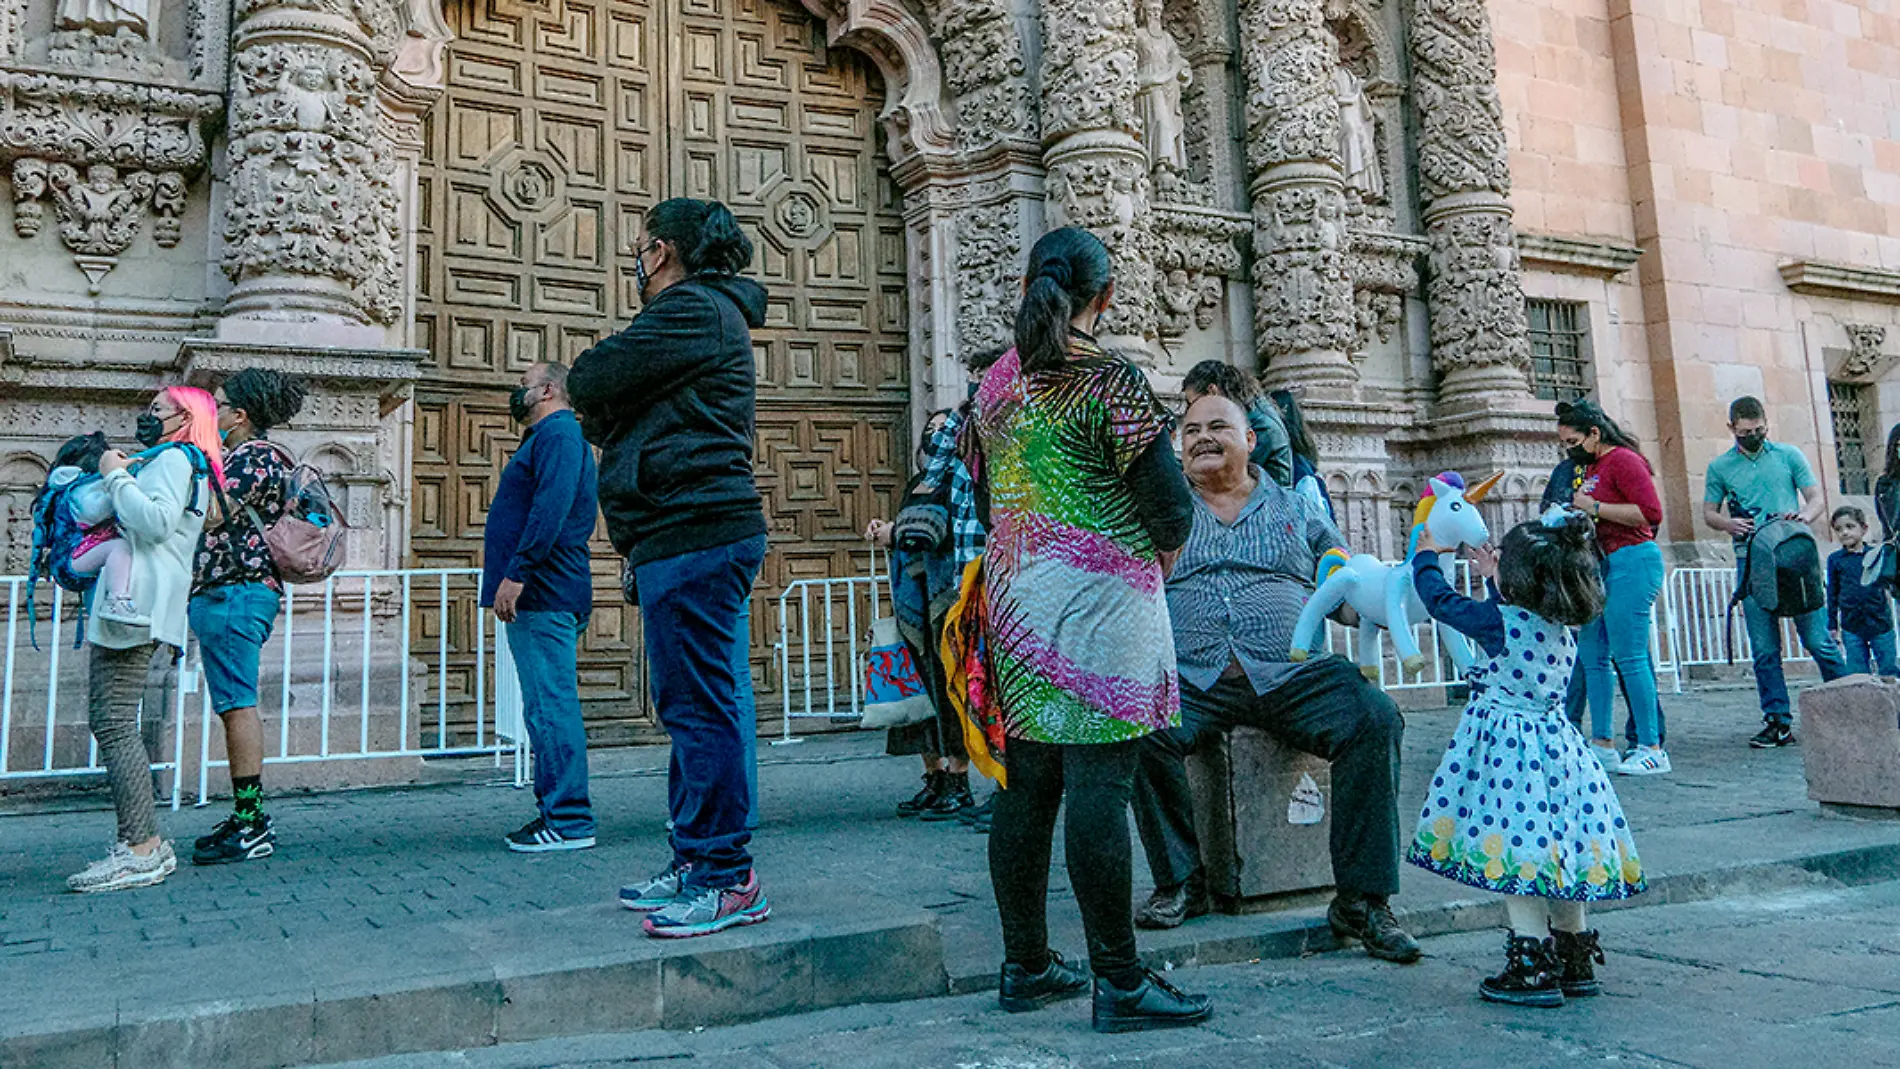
(894, 691)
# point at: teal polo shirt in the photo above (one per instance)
(1771, 481)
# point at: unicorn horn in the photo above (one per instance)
(1477, 492)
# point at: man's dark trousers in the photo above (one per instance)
(689, 608)
(1326, 709)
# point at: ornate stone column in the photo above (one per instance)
(312, 228)
(1480, 347)
(1303, 311)
(1097, 168)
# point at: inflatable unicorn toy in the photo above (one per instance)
(1383, 593)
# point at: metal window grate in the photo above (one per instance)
(1847, 404)
(1560, 350)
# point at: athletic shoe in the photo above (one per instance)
(1153, 1003)
(1773, 735)
(1607, 757)
(707, 910)
(1020, 991)
(535, 837)
(121, 869)
(236, 840)
(224, 828)
(1645, 761)
(120, 610)
(655, 891)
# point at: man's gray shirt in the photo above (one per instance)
(1237, 589)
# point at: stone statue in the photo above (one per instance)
(107, 17)
(1161, 72)
(1358, 148)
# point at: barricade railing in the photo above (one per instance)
(358, 702)
(1697, 600)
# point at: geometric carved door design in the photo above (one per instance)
(564, 120)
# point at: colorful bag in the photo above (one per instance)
(894, 691)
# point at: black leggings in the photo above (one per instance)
(1098, 781)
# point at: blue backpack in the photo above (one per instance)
(57, 534)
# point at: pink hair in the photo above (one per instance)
(200, 427)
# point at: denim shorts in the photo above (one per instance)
(232, 623)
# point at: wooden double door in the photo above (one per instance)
(564, 121)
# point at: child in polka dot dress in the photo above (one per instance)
(1518, 805)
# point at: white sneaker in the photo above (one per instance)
(120, 610)
(1607, 757)
(1645, 761)
(121, 869)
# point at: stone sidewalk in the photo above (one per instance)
(394, 920)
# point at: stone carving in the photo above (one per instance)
(105, 17)
(1358, 137)
(1863, 356)
(1480, 343)
(1384, 273)
(1162, 72)
(1088, 67)
(1291, 113)
(311, 178)
(988, 264)
(1303, 295)
(29, 185)
(985, 71)
(1195, 253)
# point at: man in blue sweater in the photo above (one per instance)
(535, 574)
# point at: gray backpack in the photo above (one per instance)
(1780, 571)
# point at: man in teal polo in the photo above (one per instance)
(1750, 483)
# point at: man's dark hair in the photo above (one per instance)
(1217, 376)
(703, 233)
(1850, 512)
(1553, 571)
(1746, 408)
(269, 398)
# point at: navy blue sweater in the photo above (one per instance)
(541, 518)
(1852, 607)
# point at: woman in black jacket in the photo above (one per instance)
(670, 403)
(1887, 489)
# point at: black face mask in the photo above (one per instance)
(150, 430)
(519, 407)
(1580, 456)
(1751, 442)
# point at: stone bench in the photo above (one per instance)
(1850, 745)
(1263, 811)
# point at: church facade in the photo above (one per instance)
(1430, 218)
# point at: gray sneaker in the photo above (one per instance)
(121, 869)
(655, 891)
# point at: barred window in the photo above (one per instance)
(1560, 350)
(1847, 403)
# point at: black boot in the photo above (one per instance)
(1020, 991)
(1154, 1003)
(1369, 919)
(933, 790)
(1530, 976)
(1578, 955)
(956, 798)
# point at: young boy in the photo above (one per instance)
(1860, 616)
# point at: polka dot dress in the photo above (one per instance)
(1518, 805)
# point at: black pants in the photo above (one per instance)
(1326, 709)
(1098, 781)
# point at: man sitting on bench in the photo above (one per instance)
(1234, 594)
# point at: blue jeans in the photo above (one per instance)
(690, 608)
(232, 622)
(1632, 577)
(1858, 650)
(1764, 639)
(748, 724)
(1577, 706)
(545, 646)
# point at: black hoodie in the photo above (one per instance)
(670, 403)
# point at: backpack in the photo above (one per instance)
(57, 534)
(1781, 571)
(306, 542)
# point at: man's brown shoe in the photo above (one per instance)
(1170, 909)
(1370, 921)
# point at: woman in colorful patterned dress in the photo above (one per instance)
(1518, 804)
(1086, 504)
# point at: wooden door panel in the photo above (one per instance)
(564, 121)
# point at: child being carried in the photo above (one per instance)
(98, 551)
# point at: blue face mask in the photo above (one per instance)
(224, 433)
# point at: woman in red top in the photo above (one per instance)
(1617, 488)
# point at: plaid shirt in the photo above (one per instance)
(942, 461)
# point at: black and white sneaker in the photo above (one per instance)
(236, 840)
(1772, 736)
(535, 837)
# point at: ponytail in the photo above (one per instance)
(703, 233)
(1068, 270)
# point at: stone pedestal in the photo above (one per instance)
(1850, 745)
(1264, 812)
